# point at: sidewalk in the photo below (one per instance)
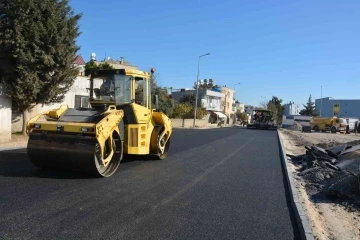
(17, 141)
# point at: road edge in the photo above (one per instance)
(11, 148)
(301, 218)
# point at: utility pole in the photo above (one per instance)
(197, 88)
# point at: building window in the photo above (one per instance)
(81, 101)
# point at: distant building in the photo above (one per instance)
(211, 100)
(228, 101)
(346, 108)
(80, 64)
(238, 107)
(118, 64)
(295, 121)
(249, 109)
(291, 109)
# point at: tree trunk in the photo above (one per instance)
(26, 118)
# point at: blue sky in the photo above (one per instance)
(286, 48)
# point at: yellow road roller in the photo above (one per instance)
(95, 139)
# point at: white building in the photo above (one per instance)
(291, 109)
(211, 101)
(238, 107)
(5, 115)
(249, 109)
(228, 101)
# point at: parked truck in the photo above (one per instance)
(332, 124)
(351, 121)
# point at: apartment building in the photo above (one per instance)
(210, 100)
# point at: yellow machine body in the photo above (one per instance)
(332, 124)
(95, 139)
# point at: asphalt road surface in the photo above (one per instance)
(222, 183)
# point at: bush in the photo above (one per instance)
(185, 110)
(243, 117)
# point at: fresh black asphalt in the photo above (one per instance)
(222, 183)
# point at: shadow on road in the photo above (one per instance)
(15, 163)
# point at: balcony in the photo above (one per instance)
(213, 93)
(212, 106)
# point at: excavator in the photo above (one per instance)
(95, 139)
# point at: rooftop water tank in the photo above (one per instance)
(216, 89)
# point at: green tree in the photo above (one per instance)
(185, 110)
(181, 110)
(243, 117)
(37, 47)
(166, 104)
(275, 105)
(92, 65)
(191, 99)
(309, 108)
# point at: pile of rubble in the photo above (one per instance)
(331, 173)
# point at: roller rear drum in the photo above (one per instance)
(72, 152)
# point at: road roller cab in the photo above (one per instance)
(122, 119)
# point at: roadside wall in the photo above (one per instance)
(5, 116)
(188, 123)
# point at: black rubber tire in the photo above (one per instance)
(114, 163)
(162, 156)
(159, 155)
(316, 128)
(333, 129)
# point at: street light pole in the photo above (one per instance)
(197, 88)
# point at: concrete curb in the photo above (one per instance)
(12, 148)
(301, 218)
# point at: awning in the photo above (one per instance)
(220, 114)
